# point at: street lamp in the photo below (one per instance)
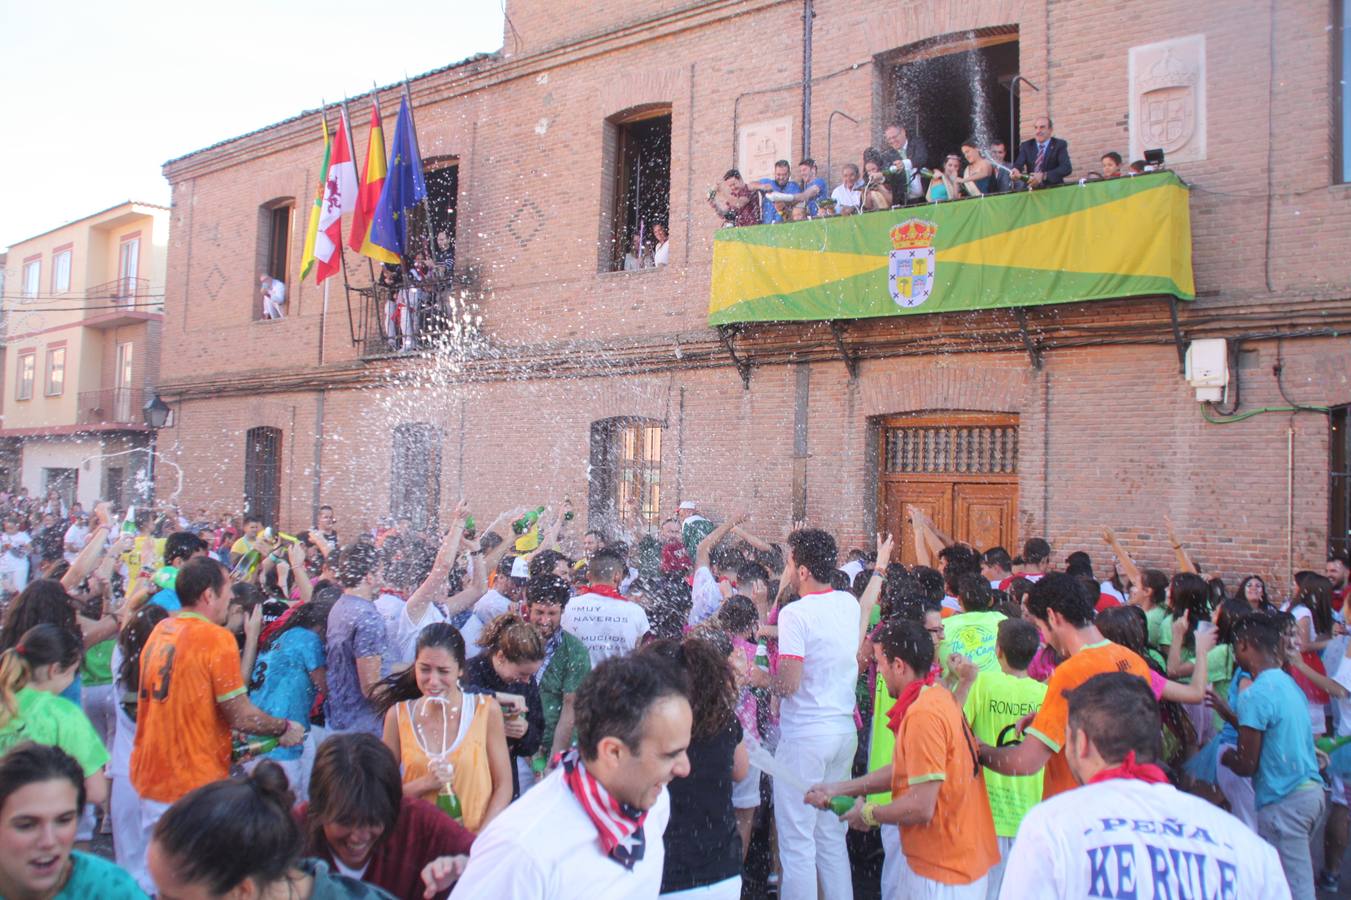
(156, 414)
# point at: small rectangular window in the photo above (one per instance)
(32, 278)
(262, 473)
(61, 271)
(1339, 479)
(279, 242)
(625, 489)
(56, 371)
(641, 188)
(23, 387)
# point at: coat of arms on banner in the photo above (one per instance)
(910, 275)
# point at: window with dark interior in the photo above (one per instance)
(638, 155)
(415, 474)
(262, 473)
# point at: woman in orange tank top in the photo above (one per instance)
(441, 734)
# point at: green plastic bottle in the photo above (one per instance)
(841, 804)
(538, 764)
(1329, 744)
(254, 745)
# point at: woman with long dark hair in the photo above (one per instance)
(703, 848)
(445, 737)
(1311, 607)
(1253, 591)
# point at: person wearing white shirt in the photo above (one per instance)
(602, 619)
(817, 672)
(593, 829)
(77, 535)
(712, 565)
(14, 546)
(661, 255)
(1126, 831)
(848, 195)
(274, 296)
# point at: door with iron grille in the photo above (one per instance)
(961, 469)
(262, 474)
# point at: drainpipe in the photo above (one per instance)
(807, 15)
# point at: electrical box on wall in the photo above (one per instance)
(1208, 368)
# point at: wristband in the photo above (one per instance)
(869, 815)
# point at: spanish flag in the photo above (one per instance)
(312, 229)
(372, 181)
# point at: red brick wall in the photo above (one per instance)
(1125, 436)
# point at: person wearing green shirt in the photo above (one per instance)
(32, 674)
(41, 795)
(972, 632)
(995, 701)
(566, 661)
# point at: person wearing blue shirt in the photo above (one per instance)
(179, 547)
(782, 184)
(286, 678)
(813, 188)
(1275, 747)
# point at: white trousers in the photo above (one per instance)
(1238, 790)
(811, 841)
(151, 812)
(891, 860)
(994, 878)
(727, 889)
(272, 309)
(129, 844)
(917, 887)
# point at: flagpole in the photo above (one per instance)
(427, 197)
(375, 101)
(352, 153)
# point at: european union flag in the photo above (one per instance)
(404, 187)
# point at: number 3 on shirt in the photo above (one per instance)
(163, 669)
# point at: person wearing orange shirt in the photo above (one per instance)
(192, 694)
(938, 787)
(1062, 608)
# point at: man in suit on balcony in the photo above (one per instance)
(1044, 160)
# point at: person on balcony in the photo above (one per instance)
(903, 153)
(978, 178)
(813, 188)
(1043, 161)
(780, 188)
(661, 254)
(848, 195)
(274, 296)
(946, 185)
(876, 192)
(734, 201)
(1111, 164)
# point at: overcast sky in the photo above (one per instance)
(102, 94)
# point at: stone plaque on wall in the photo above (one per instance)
(760, 144)
(1168, 99)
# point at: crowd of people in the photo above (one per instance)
(522, 711)
(900, 174)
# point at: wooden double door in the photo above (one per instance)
(960, 469)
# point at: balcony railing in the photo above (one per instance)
(122, 292)
(393, 321)
(111, 406)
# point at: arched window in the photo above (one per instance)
(625, 484)
(262, 473)
(415, 474)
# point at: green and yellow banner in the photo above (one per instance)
(1126, 237)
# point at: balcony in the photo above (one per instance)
(1127, 237)
(390, 321)
(111, 407)
(121, 302)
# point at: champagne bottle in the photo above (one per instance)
(841, 804)
(762, 655)
(527, 521)
(538, 763)
(469, 525)
(129, 521)
(248, 565)
(250, 745)
(448, 803)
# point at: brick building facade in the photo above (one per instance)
(583, 370)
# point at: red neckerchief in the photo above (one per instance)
(606, 590)
(618, 825)
(1129, 768)
(908, 696)
(395, 592)
(816, 593)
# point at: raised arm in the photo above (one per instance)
(760, 544)
(1184, 562)
(1123, 558)
(704, 551)
(919, 526)
(874, 588)
(89, 557)
(435, 582)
